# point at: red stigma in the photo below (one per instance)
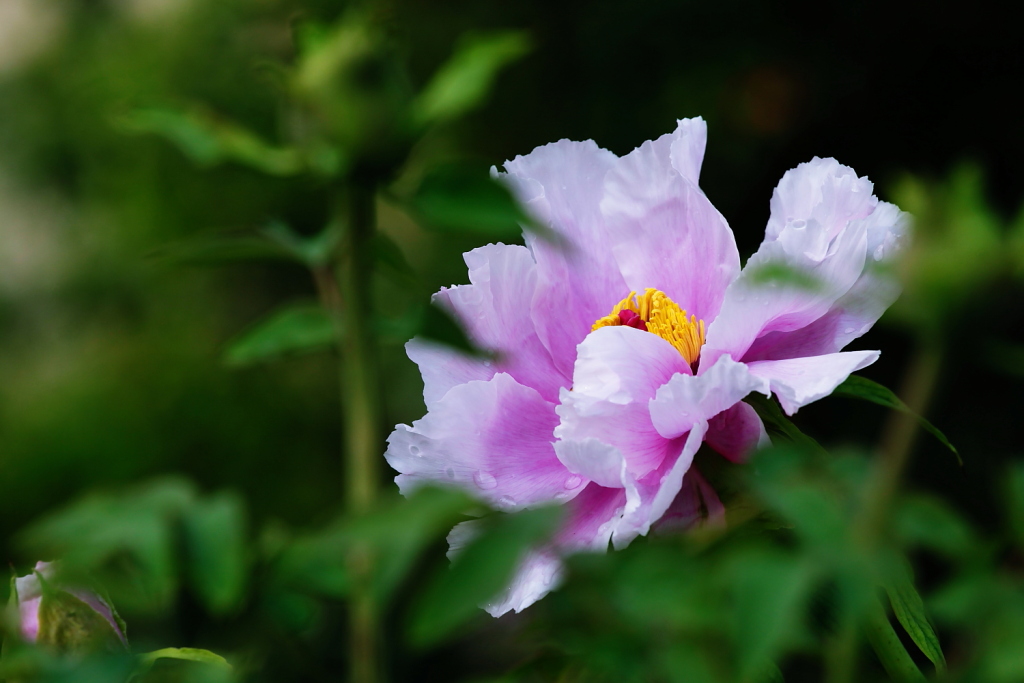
(631, 319)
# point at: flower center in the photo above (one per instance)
(654, 312)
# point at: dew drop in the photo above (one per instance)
(848, 330)
(484, 480)
(879, 252)
(415, 450)
(573, 482)
(507, 502)
(487, 363)
(450, 472)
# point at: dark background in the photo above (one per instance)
(110, 368)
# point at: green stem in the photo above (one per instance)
(898, 440)
(360, 398)
(894, 454)
(345, 292)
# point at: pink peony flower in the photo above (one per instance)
(621, 354)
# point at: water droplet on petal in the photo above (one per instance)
(506, 502)
(415, 450)
(450, 472)
(879, 252)
(848, 330)
(573, 482)
(487, 363)
(484, 480)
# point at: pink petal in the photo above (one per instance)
(736, 432)
(656, 492)
(590, 520)
(685, 401)
(28, 617)
(618, 371)
(696, 504)
(496, 309)
(753, 308)
(560, 184)
(536, 575)
(855, 312)
(665, 232)
(799, 381)
(825, 227)
(492, 438)
(442, 368)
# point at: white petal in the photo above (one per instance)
(799, 381)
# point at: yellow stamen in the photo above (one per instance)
(664, 318)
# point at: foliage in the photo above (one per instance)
(179, 150)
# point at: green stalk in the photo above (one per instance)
(894, 454)
(345, 292)
(360, 398)
(898, 439)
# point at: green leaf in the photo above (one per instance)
(298, 328)
(908, 607)
(187, 654)
(465, 80)
(439, 325)
(891, 653)
(208, 140)
(924, 521)
(770, 590)
(856, 386)
(779, 427)
(125, 541)
(479, 571)
(389, 254)
(215, 544)
(774, 273)
(396, 533)
(312, 251)
(459, 199)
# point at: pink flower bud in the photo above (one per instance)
(62, 617)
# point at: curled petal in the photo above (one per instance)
(820, 278)
(491, 438)
(855, 312)
(685, 401)
(799, 381)
(784, 287)
(823, 191)
(496, 309)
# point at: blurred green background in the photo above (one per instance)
(111, 345)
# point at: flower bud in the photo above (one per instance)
(63, 618)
